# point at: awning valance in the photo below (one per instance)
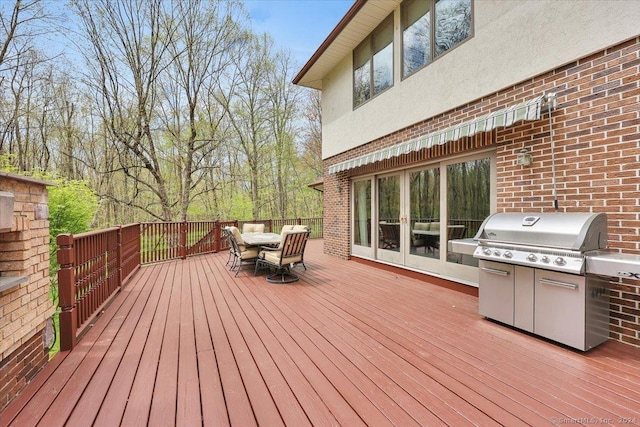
(529, 110)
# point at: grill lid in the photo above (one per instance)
(565, 231)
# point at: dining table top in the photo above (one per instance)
(257, 239)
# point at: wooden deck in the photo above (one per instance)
(185, 343)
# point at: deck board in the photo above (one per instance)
(86, 405)
(116, 397)
(214, 410)
(187, 343)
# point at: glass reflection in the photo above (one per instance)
(362, 213)
(468, 202)
(416, 36)
(389, 213)
(453, 23)
(424, 199)
(383, 69)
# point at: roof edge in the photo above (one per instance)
(355, 8)
(24, 178)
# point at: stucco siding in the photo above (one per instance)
(513, 41)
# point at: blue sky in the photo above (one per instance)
(297, 25)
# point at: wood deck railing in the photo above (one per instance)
(94, 265)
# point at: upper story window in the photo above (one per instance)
(430, 28)
(373, 63)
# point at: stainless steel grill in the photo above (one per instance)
(533, 275)
(552, 241)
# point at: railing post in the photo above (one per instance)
(183, 240)
(270, 225)
(66, 292)
(119, 256)
(216, 236)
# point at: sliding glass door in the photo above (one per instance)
(409, 217)
(390, 218)
(362, 226)
(424, 218)
(470, 190)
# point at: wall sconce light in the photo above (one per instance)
(524, 158)
(339, 188)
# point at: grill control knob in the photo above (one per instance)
(508, 254)
(559, 261)
(532, 258)
(545, 259)
(496, 252)
(487, 251)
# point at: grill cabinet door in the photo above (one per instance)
(523, 298)
(496, 291)
(560, 307)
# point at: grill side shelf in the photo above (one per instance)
(613, 264)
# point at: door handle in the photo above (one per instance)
(559, 284)
(495, 271)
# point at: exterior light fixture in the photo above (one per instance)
(524, 158)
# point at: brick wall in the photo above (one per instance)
(596, 134)
(19, 368)
(24, 309)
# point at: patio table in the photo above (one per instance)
(259, 239)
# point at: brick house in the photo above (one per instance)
(25, 305)
(443, 112)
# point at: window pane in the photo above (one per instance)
(416, 37)
(383, 69)
(468, 202)
(424, 199)
(361, 55)
(362, 83)
(453, 23)
(362, 213)
(389, 213)
(373, 63)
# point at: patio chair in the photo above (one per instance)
(390, 235)
(226, 235)
(290, 227)
(284, 257)
(241, 251)
(252, 228)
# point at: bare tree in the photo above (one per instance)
(179, 110)
(24, 75)
(283, 97)
(128, 54)
(20, 23)
(312, 131)
(249, 111)
(153, 61)
(205, 44)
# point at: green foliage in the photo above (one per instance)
(7, 163)
(72, 205)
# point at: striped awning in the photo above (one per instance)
(529, 110)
